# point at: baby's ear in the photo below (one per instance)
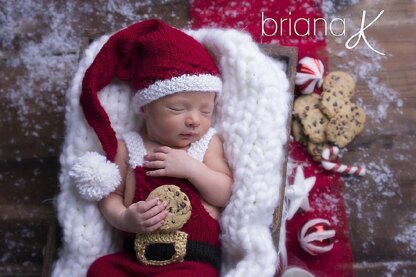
(142, 111)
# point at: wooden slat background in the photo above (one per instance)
(380, 211)
(29, 164)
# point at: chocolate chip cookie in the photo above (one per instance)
(178, 206)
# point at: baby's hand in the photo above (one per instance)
(144, 216)
(166, 161)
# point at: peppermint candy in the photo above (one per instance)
(317, 236)
(309, 75)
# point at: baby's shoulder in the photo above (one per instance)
(215, 157)
(215, 141)
(215, 147)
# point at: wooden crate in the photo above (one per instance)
(288, 55)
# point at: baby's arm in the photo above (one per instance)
(212, 177)
(140, 217)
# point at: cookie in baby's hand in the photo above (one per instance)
(178, 206)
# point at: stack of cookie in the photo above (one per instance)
(331, 118)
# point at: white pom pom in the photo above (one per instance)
(94, 176)
(309, 75)
(317, 236)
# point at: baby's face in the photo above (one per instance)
(179, 119)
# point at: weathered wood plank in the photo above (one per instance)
(381, 204)
(29, 150)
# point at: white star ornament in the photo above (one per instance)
(298, 193)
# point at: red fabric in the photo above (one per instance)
(125, 265)
(140, 54)
(200, 227)
(326, 197)
(327, 202)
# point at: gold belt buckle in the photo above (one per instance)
(178, 239)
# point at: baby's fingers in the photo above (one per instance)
(154, 227)
(154, 211)
(154, 164)
(162, 149)
(155, 157)
(143, 206)
(156, 173)
(155, 222)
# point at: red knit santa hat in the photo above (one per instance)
(157, 60)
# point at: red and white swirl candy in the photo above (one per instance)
(331, 153)
(309, 75)
(317, 236)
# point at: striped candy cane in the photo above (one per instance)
(331, 153)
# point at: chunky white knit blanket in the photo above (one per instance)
(251, 118)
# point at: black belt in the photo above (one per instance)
(195, 251)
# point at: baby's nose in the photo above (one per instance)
(192, 120)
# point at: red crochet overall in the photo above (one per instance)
(203, 230)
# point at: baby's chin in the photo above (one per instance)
(182, 143)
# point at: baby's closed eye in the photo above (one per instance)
(206, 112)
(176, 108)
